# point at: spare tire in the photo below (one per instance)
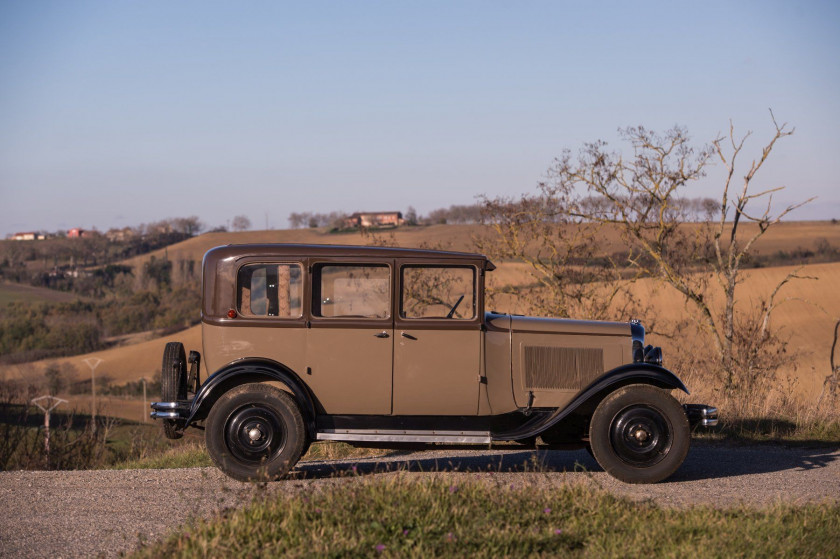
(173, 383)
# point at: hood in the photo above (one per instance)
(569, 326)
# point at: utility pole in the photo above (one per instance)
(93, 363)
(50, 403)
(145, 407)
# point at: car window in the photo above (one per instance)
(270, 290)
(352, 291)
(438, 292)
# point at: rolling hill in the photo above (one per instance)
(786, 236)
(808, 318)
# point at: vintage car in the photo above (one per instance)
(391, 347)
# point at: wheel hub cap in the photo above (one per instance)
(641, 435)
(254, 433)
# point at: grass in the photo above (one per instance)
(784, 431)
(401, 516)
(14, 292)
(192, 454)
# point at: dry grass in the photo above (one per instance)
(807, 319)
(15, 292)
(809, 325)
(786, 236)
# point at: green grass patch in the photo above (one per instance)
(186, 456)
(333, 450)
(193, 454)
(773, 430)
(402, 516)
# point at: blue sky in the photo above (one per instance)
(116, 113)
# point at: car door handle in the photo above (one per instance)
(382, 334)
(409, 336)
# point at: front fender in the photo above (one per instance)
(632, 373)
(253, 370)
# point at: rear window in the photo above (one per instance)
(270, 290)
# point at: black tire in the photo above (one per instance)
(639, 434)
(255, 432)
(173, 383)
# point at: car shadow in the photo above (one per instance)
(703, 462)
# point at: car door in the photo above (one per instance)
(437, 344)
(350, 341)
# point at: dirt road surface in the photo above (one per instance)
(108, 512)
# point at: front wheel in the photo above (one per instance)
(255, 432)
(639, 434)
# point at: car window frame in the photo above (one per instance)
(400, 299)
(316, 321)
(265, 321)
(477, 322)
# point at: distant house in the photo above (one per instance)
(117, 235)
(374, 219)
(77, 232)
(28, 236)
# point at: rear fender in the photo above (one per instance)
(252, 370)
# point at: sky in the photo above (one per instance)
(118, 113)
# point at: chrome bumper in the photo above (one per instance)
(699, 414)
(170, 410)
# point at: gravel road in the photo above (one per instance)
(108, 512)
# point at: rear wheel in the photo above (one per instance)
(255, 432)
(639, 434)
(173, 383)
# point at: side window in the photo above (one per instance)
(272, 290)
(438, 292)
(352, 291)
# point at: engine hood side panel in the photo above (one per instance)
(524, 324)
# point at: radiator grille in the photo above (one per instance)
(561, 368)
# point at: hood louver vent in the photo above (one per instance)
(561, 368)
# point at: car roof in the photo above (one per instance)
(313, 250)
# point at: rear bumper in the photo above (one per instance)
(171, 410)
(700, 414)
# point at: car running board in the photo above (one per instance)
(379, 435)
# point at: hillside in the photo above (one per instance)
(808, 318)
(14, 292)
(787, 237)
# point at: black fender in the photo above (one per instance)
(253, 370)
(632, 373)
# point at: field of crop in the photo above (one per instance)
(807, 318)
(784, 237)
(14, 292)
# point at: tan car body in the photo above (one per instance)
(489, 365)
(390, 347)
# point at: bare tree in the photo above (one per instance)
(187, 225)
(640, 196)
(564, 253)
(240, 223)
